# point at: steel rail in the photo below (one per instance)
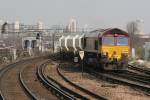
(1, 96)
(133, 77)
(146, 71)
(24, 86)
(10, 66)
(3, 70)
(51, 85)
(79, 87)
(117, 80)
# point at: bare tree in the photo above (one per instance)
(132, 29)
(136, 41)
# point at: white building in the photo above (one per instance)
(16, 26)
(40, 25)
(72, 27)
(29, 43)
(139, 24)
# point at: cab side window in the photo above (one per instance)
(84, 42)
(96, 45)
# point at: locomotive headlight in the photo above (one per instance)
(105, 53)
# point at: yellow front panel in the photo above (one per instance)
(117, 49)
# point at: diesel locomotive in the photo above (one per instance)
(106, 49)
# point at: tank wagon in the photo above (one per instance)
(106, 49)
(71, 44)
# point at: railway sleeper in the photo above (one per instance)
(130, 84)
(117, 81)
(54, 92)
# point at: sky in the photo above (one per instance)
(93, 13)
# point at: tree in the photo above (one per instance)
(4, 27)
(132, 28)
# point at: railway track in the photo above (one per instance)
(2, 70)
(75, 92)
(13, 84)
(35, 88)
(142, 70)
(10, 83)
(143, 77)
(51, 85)
(120, 80)
(138, 80)
(133, 76)
(25, 87)
(21, 86)
(79, 87)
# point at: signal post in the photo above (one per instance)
(81, 53)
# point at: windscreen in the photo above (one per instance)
(108, 40)
(122, 40)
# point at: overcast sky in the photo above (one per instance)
(94, 13)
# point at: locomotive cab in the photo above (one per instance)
(108, 49)
(116, 48)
